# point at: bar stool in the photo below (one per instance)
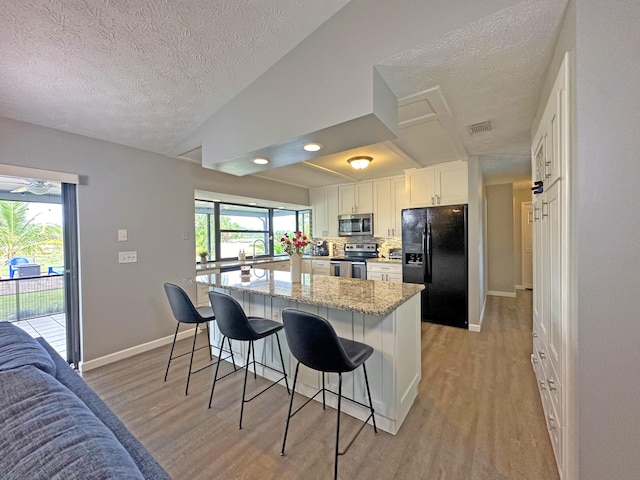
(314, 343)
(185, 312)
(235, 325)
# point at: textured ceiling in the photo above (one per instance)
(492, 69)
(143, 73)
(147, 73)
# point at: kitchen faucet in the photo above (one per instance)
(254, 246)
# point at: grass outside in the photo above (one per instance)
(32, 304)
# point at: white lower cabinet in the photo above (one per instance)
(320, 267)
(384, 272)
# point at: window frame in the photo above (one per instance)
(216, 235)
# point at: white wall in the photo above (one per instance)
(607, 228)
(500, 250)
(124, 305)
(477, 290)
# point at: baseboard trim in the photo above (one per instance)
(473, 327)
(130, 352)
(520, 287)
(502, 294)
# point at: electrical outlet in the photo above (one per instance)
(122, 235)
(127, 257)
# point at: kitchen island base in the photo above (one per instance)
(394, 368)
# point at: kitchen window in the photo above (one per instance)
(224, 229)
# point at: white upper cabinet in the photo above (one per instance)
(388, 201)
(355, 198)
(324, 207)
(445, 184)
(451, 183)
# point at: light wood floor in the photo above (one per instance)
(477, 416)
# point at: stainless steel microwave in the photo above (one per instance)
(356, 224)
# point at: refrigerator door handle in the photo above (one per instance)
(428, 260)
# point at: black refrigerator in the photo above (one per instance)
(434, 252)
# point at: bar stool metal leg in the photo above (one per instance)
(215, 376)
(193, 347)
(244, 388)
(284, 371)
(324, 406)
(209, 342)
(335, 468)
(366, 381)
(293, 391)
(175, 335)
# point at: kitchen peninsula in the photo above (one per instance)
(384, 315)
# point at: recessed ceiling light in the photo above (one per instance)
(312, 147)
(260, 161)
(359, 162)
(280, 208)
(252, 203)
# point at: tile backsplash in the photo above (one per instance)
(384, 243)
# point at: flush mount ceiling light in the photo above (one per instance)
(312, 147)
(359, 162)
(260, 161)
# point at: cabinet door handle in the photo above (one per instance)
(438, 199)
(552, 385)
(542, 355)
(535, 217)
(433, 200)
(542, 386)
(547, 169)
(552, 422)
(535, 334)
(545, 214)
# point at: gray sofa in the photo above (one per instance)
(54, 426)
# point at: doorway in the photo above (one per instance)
(526, 220)
(38, 246)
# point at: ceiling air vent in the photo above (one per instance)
(480, 127)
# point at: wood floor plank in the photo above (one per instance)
(477, 416)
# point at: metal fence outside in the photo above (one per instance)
(31, 297)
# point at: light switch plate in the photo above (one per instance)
(127, 257)
(122, 235)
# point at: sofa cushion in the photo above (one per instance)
(47, 432)
(17, 348)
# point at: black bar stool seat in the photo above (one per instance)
(235, 325)
(314, 343)
(186, 313)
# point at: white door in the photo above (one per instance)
(526, 219)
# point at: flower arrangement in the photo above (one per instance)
(294, 242)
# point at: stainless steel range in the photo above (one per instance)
(353, 264)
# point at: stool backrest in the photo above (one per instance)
(230, 317)
(313, 341)
(181, 305)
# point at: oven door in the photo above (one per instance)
(340, 268)
(359, 270)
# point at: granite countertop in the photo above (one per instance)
(365, 296)
(235, 264)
